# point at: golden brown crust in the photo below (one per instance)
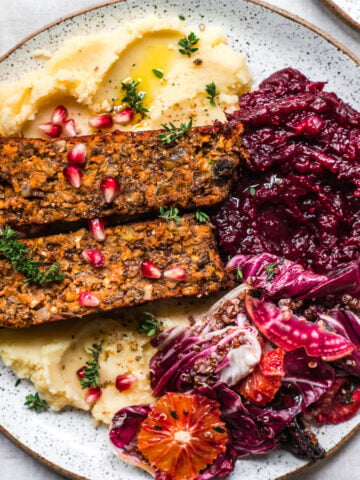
(194, 171)
(119, 283)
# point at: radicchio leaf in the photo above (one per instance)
(221, 346)
(282, 278)
(252, 429)
(223, 465)
(289, 332)
(124, 430)
(310, 376)
(346, 323)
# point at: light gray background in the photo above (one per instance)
(18, 19)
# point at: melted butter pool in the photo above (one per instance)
(156, 50)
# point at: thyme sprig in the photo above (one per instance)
(210, 89)
(149, 324)
(188, 43)
(173, 132)
(133, 97)
(18, 254)
(92, 369)
(171, 214)
(34, 402)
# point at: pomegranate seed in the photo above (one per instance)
(96, 226)
(87, 299)
(110, 188)
(149, 270)
(93, 395)
(176, 272)
(73, 175)
(124, 117)
(50, 129)
(77, 154)
(59, 115)
(94, 257)
(101, 121)
(81, 372)
(124, 382)
(70, 128)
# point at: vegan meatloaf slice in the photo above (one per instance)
(119, 283)
(193, 171)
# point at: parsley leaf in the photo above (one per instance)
(270, 271)
(188, 43)
(171, 214)
(92, 369)
(239, 274)
(181, 17)
(201, 217)
(34, 402)
(133, 97)
(173, 132)
(149, 324)
(158, 73)
(18, 254)
(211, 91)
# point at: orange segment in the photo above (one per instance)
(182, 435)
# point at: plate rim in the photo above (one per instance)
(284, 13)
(291, 16)
(342, 14)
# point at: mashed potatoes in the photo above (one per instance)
(50, 355)
(85, 75)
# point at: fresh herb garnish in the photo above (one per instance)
(219, 429)
(181, 17)
(201, 217)
(252, 191)
(158, 73)
(133, 97)
(92, 369)
(239, 274)
(149, 324)
(211, 91)
(18, 381)
(188, 43)
(174, 414)
(270, 271)
(18, 254)
(34, 402)
(157, 427)
(173, 132)
(171, 214)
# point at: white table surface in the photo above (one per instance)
(19, 18)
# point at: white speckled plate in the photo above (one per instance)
(349, 10)
(271, 40)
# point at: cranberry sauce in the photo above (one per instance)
(298, 193)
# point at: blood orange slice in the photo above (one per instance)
(182, 435)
